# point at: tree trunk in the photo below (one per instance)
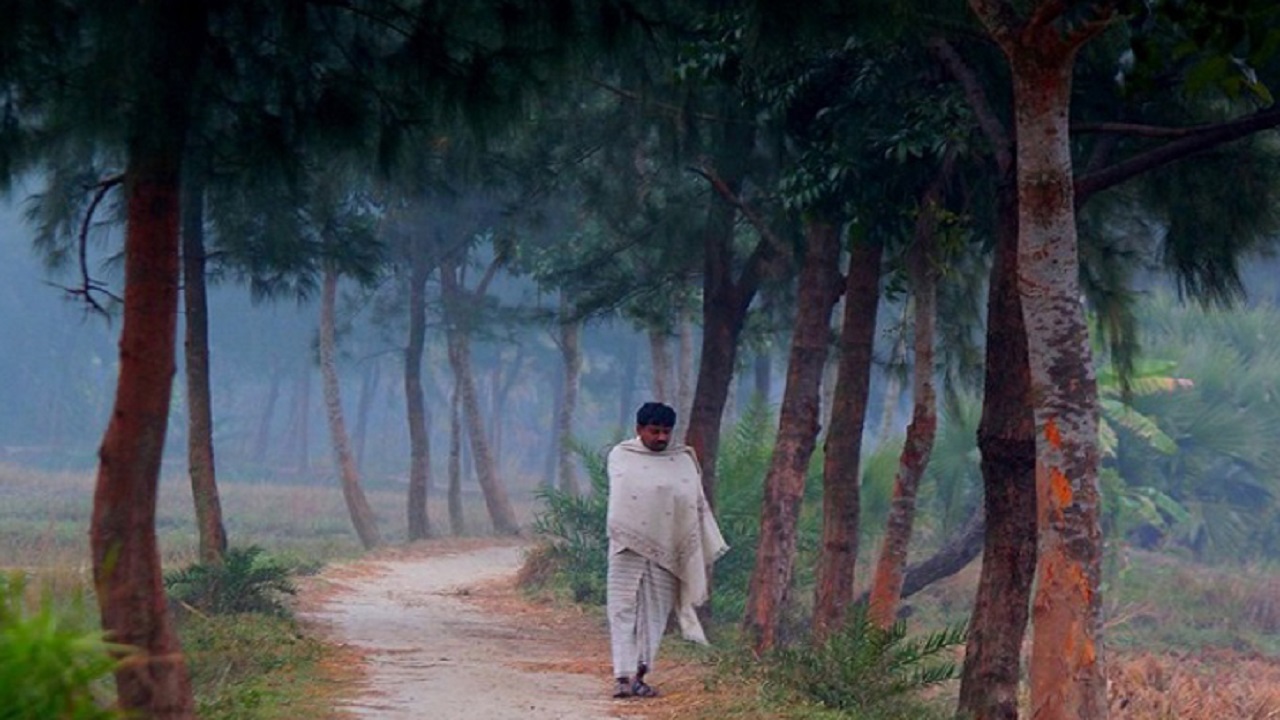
(262, 438)
(1006, 438)
(362, 517)
(954, 555)
(571, 354)
(299, 426)
(1067, 679)
(723, 314)
(457, 522)
(893, 382)
(1067, 676)
(684, 375)
(627, 393)
(127, 576)
(416, 407)
(843, 448)
(458, 340)
(200, 461)
(495, 494)
(550, 464)
(660, 360)
(886, 585)
(368, 388)
(762, 376)
(797, 435)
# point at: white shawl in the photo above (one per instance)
(657, 509)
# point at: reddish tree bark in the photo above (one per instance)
(1067, 678)
(886, 585)
(126, 559)
(1006, 439)
(843, 446)
(362, 517)
(816, 294)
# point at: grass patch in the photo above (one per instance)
(255, 667)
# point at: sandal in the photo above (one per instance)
(640, 688)
(623, 689)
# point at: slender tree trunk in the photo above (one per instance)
(300, 430)
(660, 359)
(723, 315)
(457, 521)
(503, 393)
(1006, 438)
(571, 354)
(627, 394)
(362, 517)
(495, 494)
(843, 447)
(416, 408)
(893, 382)
(797, 436)
(126, 559)
(1067, 674)
(684, 374)
(762, 376)
(262, 438)
(200, 461)
(368, 388)
(457, 337)
(886, 586)
(550, 464)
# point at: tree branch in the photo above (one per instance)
(724, 191)
(1209, 137)
(977, 97)
(88, 285)
(1135, 129)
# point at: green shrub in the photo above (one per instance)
(574, 528)
(868, 670)
(52, 666)
(246, 581)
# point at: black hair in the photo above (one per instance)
(655, 413)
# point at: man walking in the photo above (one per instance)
(662, 542)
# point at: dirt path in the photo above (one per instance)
(444, 634)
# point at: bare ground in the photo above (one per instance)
(439, 630)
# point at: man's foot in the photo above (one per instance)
(640, 688)
(623, 688)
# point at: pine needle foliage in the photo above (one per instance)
(52, 666)
(869, 671)
(247, 581)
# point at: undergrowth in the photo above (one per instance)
(246, 581)
(53, 664)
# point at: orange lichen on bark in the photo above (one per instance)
(1060, 486)
(1052, 434)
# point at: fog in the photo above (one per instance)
(59, 367)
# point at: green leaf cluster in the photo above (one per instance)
(246, 581)
(51, 665)
(869, 670)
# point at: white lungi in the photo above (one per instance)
(640, 595)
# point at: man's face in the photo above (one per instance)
(654, 437)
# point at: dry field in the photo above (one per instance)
(44, 520)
